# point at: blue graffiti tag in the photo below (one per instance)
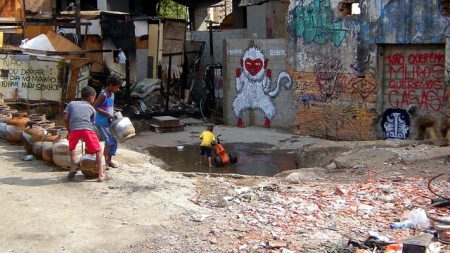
(413, 21)
(315, 23)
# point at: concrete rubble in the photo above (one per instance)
(322, 208)
(300, 212)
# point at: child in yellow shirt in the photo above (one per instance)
(208, 140)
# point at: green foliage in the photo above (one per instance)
(170, 9)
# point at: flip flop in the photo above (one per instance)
(72, 174)
(107, 178)
(113, 165)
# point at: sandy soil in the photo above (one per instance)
(145, 209)
(41, 211)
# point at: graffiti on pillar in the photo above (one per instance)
(253, 86)
(395, 124)
(315, 22)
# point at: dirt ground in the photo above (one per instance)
(146, 209)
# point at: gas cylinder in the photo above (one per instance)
(61, 152)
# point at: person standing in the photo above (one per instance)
(104, 105)
(79, 122)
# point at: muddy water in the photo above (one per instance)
(253, 159)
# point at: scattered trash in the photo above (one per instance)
(394, 248)
(180, 148)
(199, 217)
(27, 158)
(276, 244)
(379, 237)
(419, 218)
(402, 224)
(418, 243)
(121, 58)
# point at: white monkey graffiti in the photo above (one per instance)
(253, 86)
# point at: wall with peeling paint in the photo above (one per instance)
(341, 66)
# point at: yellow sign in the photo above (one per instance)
(1, 39)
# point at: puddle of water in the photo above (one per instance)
(253, 159)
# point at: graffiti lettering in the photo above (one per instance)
(308, 99)
(234, 52)
(315, 22)
(426, 99)
(11, 62)
(23, 76)
(416, 79)
(277, 52)
(8, 84)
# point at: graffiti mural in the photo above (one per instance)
(315, 22)
(329, 79)
(363, 86)
(360, 63)
(395, 124)
(253, 86)
(402, 21)
(416, 78)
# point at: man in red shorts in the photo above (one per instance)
(79, 119)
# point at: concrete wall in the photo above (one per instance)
(342, 66)
(218, 39)
(284, 102)
(256, 20)
(118, 5)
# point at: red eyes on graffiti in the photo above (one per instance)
(253, 66)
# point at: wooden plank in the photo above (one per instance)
(174, 36)
(94, 42)
(141, 44)
(35, 30)
(153, 39)
(10, 8)
(42, 6)
(60, 43)
(166, 121)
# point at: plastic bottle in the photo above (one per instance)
(402, 224)
(419, 218)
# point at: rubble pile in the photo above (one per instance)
(313, 217)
